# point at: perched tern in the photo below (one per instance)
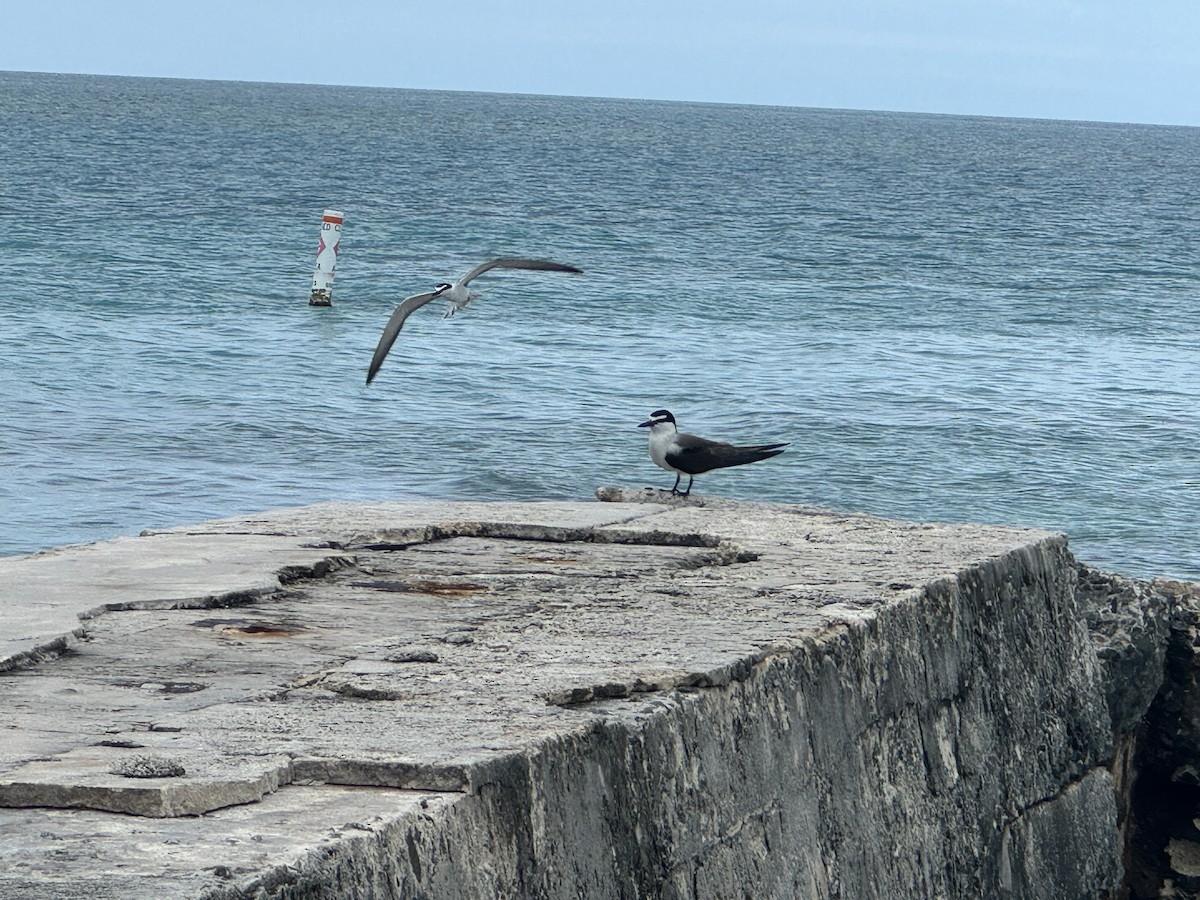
(458, 296)
(687, 454)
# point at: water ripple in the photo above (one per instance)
(950, 318)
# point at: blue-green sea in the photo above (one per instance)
(950, 318)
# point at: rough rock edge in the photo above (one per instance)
(35, 656)
(1141, 632)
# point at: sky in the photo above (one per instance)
(1104, 60)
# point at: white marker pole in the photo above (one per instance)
(327, 250)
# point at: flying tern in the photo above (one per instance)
(458, 296)
(687, 454)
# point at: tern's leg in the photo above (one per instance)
(691, 481)
(675, 486)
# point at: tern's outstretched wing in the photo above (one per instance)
(539, 265)
(394, 324)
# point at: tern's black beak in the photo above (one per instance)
(648, 423)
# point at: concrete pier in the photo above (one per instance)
(641, 697)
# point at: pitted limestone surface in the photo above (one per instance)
(529, 660)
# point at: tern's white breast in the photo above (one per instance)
(662, 437)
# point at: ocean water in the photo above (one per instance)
(950, 318)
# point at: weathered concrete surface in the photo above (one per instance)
(555, 700)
